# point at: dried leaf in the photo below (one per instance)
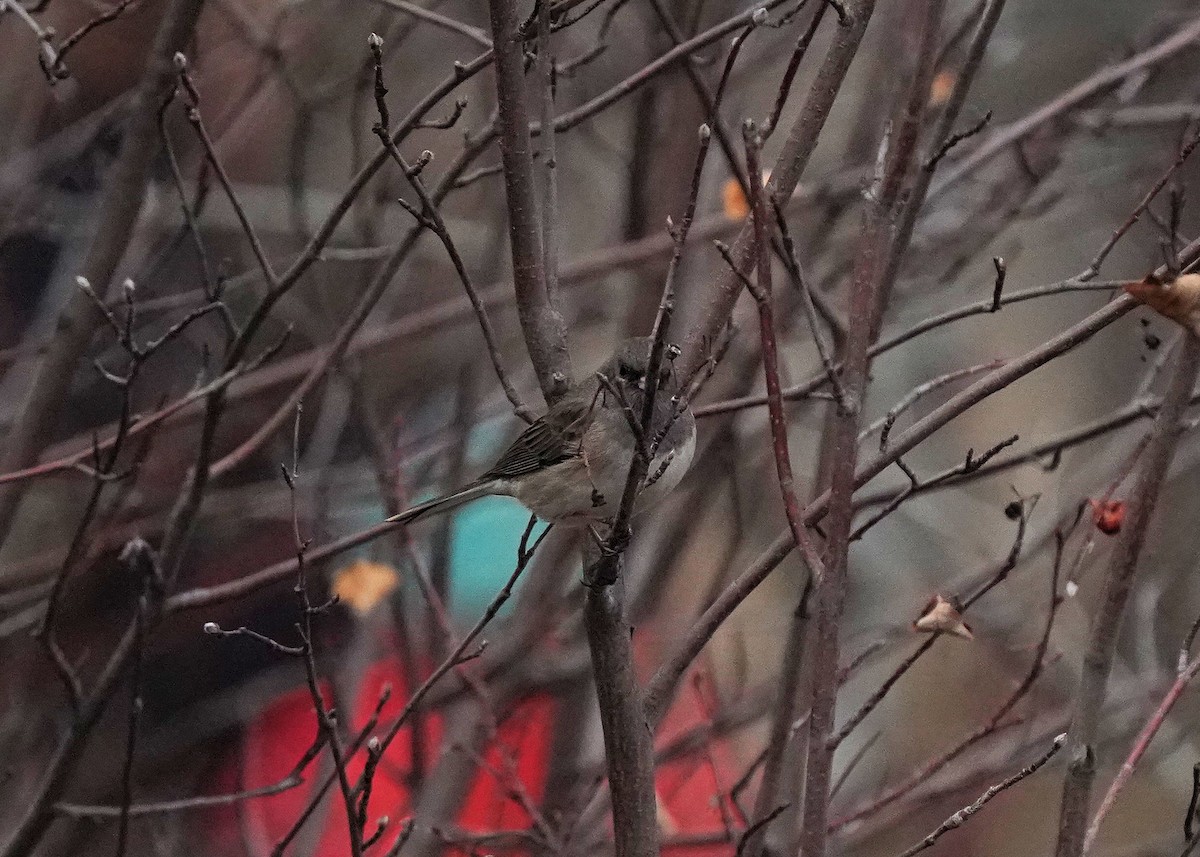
(1178, 300)
(944, 615)
(364, 584)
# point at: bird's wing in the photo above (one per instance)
(554, 438)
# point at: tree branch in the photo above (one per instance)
(1118, 583)
(544, 328)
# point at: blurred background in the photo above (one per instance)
(413, 407)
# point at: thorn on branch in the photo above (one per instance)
(955, 139)
(215, 630)
(1190, 819)
(845, 19)
(417, 214)
(1001, 274)
(757, 826)
(727, 255)
(375, 43)
(423, 160)
(473, 176)
(448, 121)
(142, 560)
(51, 58)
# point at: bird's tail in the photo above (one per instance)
(444, 503)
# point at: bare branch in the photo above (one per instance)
(544, 328)
(1118, 583)
(963, 815)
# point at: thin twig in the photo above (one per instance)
(187, 804)
(994, 722)
(53, 59)
(116, 217)
(872, 702)
(1098, 82)
(476, 35)
(964, 815)
(192, 98)
(816, 381)
(1185, 151)
(431, 216)
(785, 175)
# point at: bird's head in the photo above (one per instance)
(632, 361)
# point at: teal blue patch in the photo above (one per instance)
(483, 551)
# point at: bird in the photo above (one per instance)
(571, 464)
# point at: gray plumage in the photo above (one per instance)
(572, 463)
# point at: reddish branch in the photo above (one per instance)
(1118, 583)
(769, 803)
(1140, 746)
(868, 291)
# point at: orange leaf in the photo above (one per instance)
(1178, 300)
(734, 201)
(941, 87)
(364, 584)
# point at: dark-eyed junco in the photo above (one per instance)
(572, 464)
